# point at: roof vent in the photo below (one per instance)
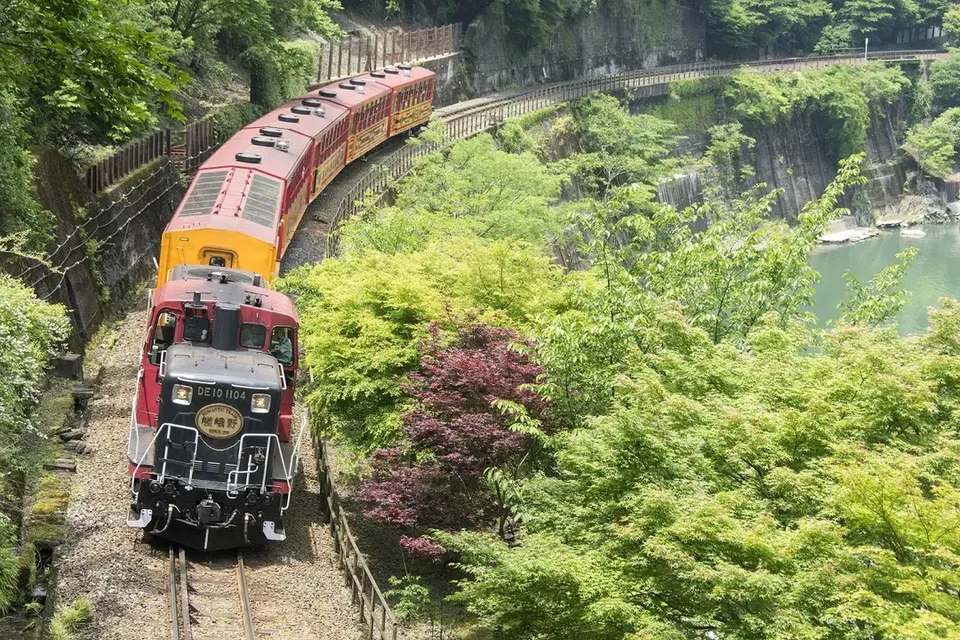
(263, 141)
(405, 67)
(378, 74)
(288, 117)
(357, 82)
(326, 93)
(250, 158)
(391, 70)
(304, 111)
(283, 145)
(344, 85)
(311, 102)
(320, 111)
(273, 132)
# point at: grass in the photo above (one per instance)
(69, 619)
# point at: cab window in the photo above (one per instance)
(196, 328)
(281, 344)
(163, 333)
(252, 335)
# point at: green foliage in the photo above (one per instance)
(842, 96)
(363, 317)
(792, 26)
(618, 148)
(20, 217)
(9, 565)
(233, 116)
(691, 104)
(412, 599)
(88, 70)
(473, 189)
(951, 25)
(945, 82)
(280, 70)
(935, 146)
(529, 23)
(68, 619)
(726, 150)
(760, 493)
(31, 332)
(879, 300)
(789, 24)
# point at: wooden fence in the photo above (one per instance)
(358, 54)
(127, 159)
(188, 148)
(374, 610)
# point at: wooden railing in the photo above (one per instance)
(375, 612)
(187, 148)
(127, 159)
(358, 54)
(470, 118)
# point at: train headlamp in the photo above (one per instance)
(182, 394)
(260, 403)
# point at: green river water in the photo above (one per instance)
(934, 274)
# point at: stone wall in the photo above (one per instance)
(794, 158)
(601, 42)
(105, 244)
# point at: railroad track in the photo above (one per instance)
(209, 598)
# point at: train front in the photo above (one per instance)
(215, 475)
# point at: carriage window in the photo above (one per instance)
(196, 329)
(281, 344)
(252, 335)
(163, 333)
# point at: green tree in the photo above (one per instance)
(945, 82)
(934, 146)
(879, 300)
(363, 317)
(473, 189)
(86, 69)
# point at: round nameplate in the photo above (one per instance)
(219, 421)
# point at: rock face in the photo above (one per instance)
(120, 237)
(602, 41)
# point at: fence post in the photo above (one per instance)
(349, 56)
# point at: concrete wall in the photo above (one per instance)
(598, 43)
(104, 245)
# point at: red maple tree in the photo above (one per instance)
(454, 434)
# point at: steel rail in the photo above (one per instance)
(185, 597)
(244, 599)
(172, 584)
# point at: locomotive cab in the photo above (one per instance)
(214, 474)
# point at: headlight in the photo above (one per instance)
(182, 394)
(260, 403)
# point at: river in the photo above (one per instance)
(934, 274)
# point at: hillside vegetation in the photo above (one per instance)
(586, 420)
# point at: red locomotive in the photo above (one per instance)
(213, 445)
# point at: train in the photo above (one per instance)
(214, 437)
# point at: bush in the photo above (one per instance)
(233, 116)
(945, 82)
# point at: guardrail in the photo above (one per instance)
(473, 117)
(374, 610)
